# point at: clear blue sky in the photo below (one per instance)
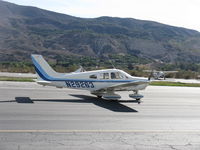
(183, 13)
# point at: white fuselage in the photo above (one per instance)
(95, 80)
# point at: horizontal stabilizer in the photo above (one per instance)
(42, 82)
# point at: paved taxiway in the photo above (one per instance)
(23, 75)
(36, 117)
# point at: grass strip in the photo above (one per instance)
(17, 79)
(166, 83)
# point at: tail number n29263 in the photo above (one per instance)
(79, 84)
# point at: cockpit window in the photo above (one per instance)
(104, 76)
(93, 76)
(113, 75)
(116, 75)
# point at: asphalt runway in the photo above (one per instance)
(46, 118)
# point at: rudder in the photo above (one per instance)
(43, 69)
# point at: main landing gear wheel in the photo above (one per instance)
(99, 96)
(138, 100)
(136, 96)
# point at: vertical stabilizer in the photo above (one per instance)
(43, 69)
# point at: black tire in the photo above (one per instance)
(138, 100)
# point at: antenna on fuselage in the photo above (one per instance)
(111, 62)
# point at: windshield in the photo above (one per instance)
(116, 75)
(126, 75)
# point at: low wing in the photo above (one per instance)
(124, 85)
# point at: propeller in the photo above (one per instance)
(150, 75)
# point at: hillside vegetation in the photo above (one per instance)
(68, 41)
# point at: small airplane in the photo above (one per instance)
(157, 75)
(102, 83)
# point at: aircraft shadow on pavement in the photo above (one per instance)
(19, 100)
(23, 100)
(112, 105)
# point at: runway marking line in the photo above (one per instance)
(99, 131)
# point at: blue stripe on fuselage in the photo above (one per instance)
(40, 71)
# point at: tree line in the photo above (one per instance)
(131, 64)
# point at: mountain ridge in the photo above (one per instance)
(25, 30)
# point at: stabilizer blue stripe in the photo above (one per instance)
(40, 70)
(41, 75)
